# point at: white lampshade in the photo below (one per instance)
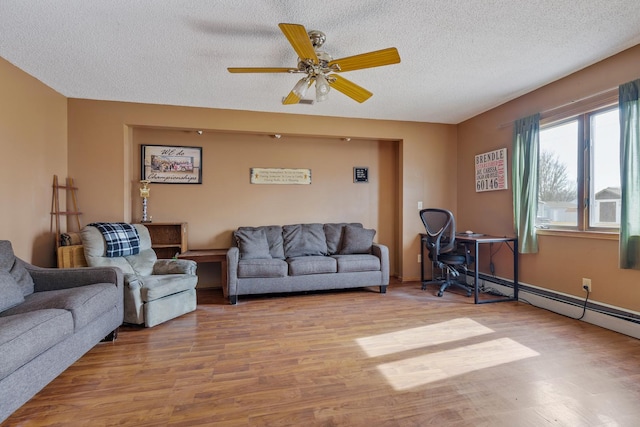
(300, 89)
(322, 88)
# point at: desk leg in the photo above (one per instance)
(476, 279)
(516, 284)
(422, 264)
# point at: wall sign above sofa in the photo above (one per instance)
(166, 164)
(280, 176)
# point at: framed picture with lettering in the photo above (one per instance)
(165, 164)
(491, 171)
(360, 174)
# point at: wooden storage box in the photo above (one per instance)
(71, 256)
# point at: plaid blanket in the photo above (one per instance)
(122, 239)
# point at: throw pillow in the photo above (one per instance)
(304, 240)
(274, 237)
(10, 292)
(333, 234)
(9, 263)
(357, 240)
(252, 243)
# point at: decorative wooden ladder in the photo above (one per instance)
(56, 213)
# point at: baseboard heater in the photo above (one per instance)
(609, 317)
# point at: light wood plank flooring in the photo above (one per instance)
(351, 358)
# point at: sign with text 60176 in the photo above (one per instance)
(491, 170)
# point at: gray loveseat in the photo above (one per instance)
(49, 318)
(304, 257)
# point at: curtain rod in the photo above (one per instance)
(609, 91)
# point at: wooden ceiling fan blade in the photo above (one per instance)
(292, 98)
(377, 58)
(261, 70)
(299, 39)
(349, 88)
(298, 91)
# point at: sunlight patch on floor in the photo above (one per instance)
(423, 336)
(416, 371)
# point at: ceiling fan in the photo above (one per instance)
(320, 67)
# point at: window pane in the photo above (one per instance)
(604, 193)
(558, 176)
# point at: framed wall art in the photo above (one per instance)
(165, 164)
(491, 171)
(360, 174)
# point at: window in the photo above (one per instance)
(579, 172)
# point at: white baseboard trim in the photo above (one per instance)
(620, 320)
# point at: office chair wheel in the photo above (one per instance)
(469, 293)
(440, 293)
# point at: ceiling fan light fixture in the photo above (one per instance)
(300, 89)
(318, 66)
(322, 88)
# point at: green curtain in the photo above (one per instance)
(526, 137)
(630, 175)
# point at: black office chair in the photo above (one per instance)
(451, 259)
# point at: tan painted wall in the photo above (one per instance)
(409, 162)
(562, 261)
(33, 142)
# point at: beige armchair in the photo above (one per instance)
(155, 290)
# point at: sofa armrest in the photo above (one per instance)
(233, 256)
(382, 252)
(50, 279)
(174, 266)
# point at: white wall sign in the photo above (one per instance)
(280, 176)
(491, 171)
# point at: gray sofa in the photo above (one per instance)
(49, 318)
(304, 257)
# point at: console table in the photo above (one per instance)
(210, 255)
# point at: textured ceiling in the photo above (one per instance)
(459, 57)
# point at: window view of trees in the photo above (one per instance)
(559, 189)
(555, 184)
(558, 175)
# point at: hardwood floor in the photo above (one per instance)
(351, 358)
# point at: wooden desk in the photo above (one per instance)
(210, 255)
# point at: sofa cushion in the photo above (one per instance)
(357, 240)
(304, 240)
(252, 243)
(301, 266)
(159, 286)
(333, 233)
(24, 336)
(10, 291)
(85, 303)
(355, 263)
(262, 268)
(11, 264)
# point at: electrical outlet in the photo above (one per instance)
(419, 205)
(419, 258)
(586, 284)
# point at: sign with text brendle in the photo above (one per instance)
(491, 171)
